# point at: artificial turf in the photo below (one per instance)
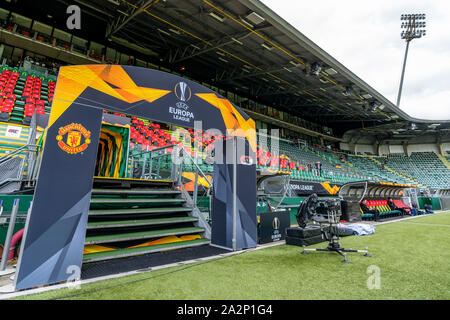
(412, 256)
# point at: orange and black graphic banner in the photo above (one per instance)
(55, 232)
(150, 94)
(302, 188)
(57, 223)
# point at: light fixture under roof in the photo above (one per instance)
(216, 16)
(255, 18)
(373, 106)
(266, 46)
(315, 69)
(165, 32)
(174, 31)
(287, 69)
(366, 96)
(330, 71)
(222, 59)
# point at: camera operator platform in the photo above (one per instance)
(326, 213)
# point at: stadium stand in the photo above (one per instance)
(313, 110)
(427, 167)
(370, 168)
(23, 94)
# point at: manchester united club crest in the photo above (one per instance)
(73, 138)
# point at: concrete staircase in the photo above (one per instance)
(409, 178)
(444, 160)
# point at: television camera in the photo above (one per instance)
(325, 215)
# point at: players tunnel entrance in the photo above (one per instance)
(112, 154)
(61, 219)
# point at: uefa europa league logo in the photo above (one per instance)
(182, 91)
(183, 86)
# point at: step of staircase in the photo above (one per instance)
(141, 235)
(140, 222)
(136, 191)
(128, 212)
(108, 212)
(129, 252)
(135, 200)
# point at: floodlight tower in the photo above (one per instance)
(415, 28)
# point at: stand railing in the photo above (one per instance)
(13, 164)
(155, 164)
(148, 163)
(179, 155)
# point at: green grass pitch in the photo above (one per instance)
(411, 257)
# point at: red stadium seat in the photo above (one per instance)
(28, 113)
(6, 109)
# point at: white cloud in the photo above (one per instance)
(365, 37)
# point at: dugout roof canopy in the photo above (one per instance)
(245, 47)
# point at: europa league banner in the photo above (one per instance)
(54, 237)
(222, 208)
(302, 188)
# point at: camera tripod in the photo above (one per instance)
(333, 239)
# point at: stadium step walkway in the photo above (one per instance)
(107, 255)
(444, 160)
(135, 217)
(401, 175)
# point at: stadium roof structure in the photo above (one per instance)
(244, 47)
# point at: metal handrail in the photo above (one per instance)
(196, 166)
(155, 149)
(25, 152)
(8, 156)
(149, 154)
(180, 152)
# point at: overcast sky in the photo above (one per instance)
(364, 36)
